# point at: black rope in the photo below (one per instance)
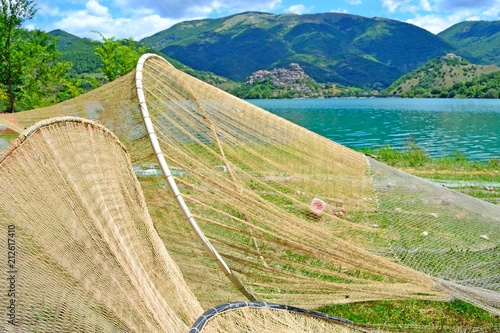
(210, 313)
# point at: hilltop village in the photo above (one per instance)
(291, 82)
(280, 76)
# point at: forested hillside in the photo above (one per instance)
(448, 76)
(336, 50)
(331, 47)
(478, 41)
(339, 54)
(78, 51)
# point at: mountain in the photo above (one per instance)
(331, 47)
(478, 41)
(441, 76)
(79, 51)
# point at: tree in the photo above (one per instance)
(30, 74)
(492, 93)
(43, 77)
(118, 57)
(13, 14)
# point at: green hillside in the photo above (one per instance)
(331, 47)
(475, 40)
(79, 51)
(440, 76)
(342, 49)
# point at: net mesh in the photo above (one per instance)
(300, 219)
(249, 178)
(82, 255)
(442, 233)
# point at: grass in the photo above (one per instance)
(9, 136)
(410, 315)
(430, 316)
(414, 157)
(417, 316)
(478, 179)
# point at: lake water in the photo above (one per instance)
(440, 126)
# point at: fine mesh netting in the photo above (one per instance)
(442, 233)
(82, 255)
(249, 178)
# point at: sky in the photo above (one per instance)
(142, 18)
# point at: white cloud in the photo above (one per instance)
(46, 9)
(437, 23)
(432, 23)
(493, 12)
(298, 9)
(134, 18)
(439, 5)
(466, 4)
(95, 8)
(147, 26)
(391, 5)
(340, 10)
(190, 8)
(449, 12)
(81, 23)
(140, 18)
(425, 5)
(411, 6)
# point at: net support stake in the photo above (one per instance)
(173, 186)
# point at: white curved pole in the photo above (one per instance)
(172, 184)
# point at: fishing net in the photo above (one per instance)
(82, 254)
(442, 233)
(288, 215)
(80, 251)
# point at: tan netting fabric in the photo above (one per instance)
(80, 253)
(253, 181)
(450, 236)
(249, 177)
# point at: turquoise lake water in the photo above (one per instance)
(440, 126)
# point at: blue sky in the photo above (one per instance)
(142, 18)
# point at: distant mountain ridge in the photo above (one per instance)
(330, 47)
(79, 51)
(478, 41)
(438, 76)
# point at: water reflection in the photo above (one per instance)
(440, 126)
